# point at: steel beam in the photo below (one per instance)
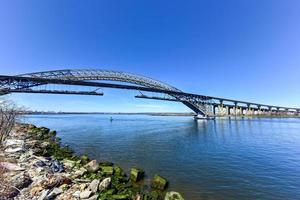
(92, 93)
(198, 103)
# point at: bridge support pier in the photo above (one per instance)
(214, 109)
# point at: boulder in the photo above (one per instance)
(84, 159)
(33, 144)
(82, 186)
(56, 166)
(36, 190)
(69, 163)
(45, 144)
(95, 197)
(152, 195)
(159, 182)
(13, 142)
(78, 173)
(14, 150)
(85, 194)
(31, 126)
(52, 133)
(11, 166)
(21, 181)
(108, 170)
(136, 174)
(25, 157)
(39, 163)
(94, 185)
(118, 171)
(76, 194)
(43, 195)
(55, 181)
(56, 191)
(92, 166)
(173, 196)
(104, 184)
(44, 130)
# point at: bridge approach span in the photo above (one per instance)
(201, 104)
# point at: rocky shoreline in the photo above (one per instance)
(34, 165)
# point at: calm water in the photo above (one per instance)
(221, 159)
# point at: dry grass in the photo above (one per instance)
(4, 184)
(7, 191)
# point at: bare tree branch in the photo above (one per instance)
(9, 113)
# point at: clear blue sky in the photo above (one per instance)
(247, 49)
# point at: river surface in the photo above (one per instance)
(242, 158)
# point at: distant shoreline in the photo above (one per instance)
(153, 114)
(108, 113)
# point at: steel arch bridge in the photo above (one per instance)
(202, 105)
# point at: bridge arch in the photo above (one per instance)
(96, 74)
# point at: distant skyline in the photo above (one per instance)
(246, 50)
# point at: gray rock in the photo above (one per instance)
(11, 166)
(85, 194)
(14, 150)
(54, 193)
(80, 172)
(69, 163)
(21, 181)
(56, 166)
(39, 163)
(93, 197)
(12, 142)
(26, 156)
(43, 195)
(44, 144)
(92, 166)
(104, 184)
(94, 185)
(76, 194)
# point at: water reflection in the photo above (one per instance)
(236, 158)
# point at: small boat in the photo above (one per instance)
(196, 117)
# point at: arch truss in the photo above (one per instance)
(200, 104)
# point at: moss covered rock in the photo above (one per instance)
(84, 159)
(159, 182)
(136, 174)
(153, 195)
(69, 163)
(107, 170)
(173, 196)
(118, 171)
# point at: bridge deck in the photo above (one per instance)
(10, 84)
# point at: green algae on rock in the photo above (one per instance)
(108, 170)
(159, 182)
(173, 196)
(136, 174)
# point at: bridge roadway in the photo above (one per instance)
(231, 106)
